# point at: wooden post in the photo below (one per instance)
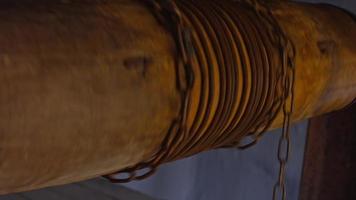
(329, 163)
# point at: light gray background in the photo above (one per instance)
(229, 174)
(96, 189)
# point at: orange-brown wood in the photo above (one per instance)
(324, 37)
(88, 88)
(85, 89)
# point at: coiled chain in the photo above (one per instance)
(235, 73)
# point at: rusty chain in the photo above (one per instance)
(288, 55)
(168, 13)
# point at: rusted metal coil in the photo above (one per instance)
(239, 74)
(89, 88)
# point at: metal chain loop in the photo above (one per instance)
(168, 14)
(190, 30)
(287, 50)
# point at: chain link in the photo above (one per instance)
(284, 144)
(287, 51)
(168, 14)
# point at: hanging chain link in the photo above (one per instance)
(169, 15)
(287, 51)
(284, 140)
(284, 145)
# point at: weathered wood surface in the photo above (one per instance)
(87, 88)
(324, 37)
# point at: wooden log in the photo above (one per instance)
(324, 37)
(87, 88)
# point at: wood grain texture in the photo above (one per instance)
(73, 105)
(89, 87)
(323, 36)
